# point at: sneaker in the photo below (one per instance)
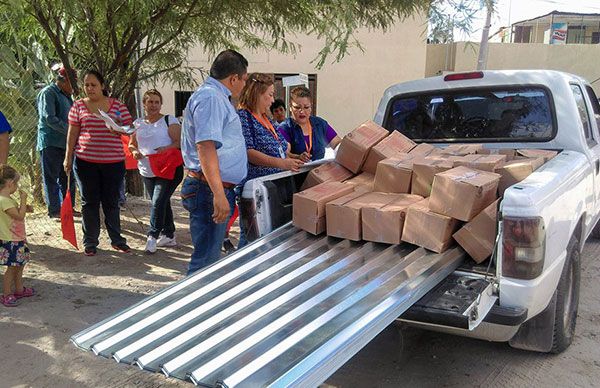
(122, 247)
(164, 241)
(90, 251)
(151, 244)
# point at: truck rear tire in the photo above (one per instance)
(567, 300)
(552, 330)
(596, 231)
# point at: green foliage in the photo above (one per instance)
(449, 16)
(23, 69)
(148, 40)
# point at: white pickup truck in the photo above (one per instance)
(534, 277)
(291, 308)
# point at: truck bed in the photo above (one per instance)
(287, 310)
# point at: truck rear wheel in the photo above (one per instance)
(567, 300)
(596, 231)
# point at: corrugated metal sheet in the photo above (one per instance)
(288, 310)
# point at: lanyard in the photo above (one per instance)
(267, 124)
(309, 144)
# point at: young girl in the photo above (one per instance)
(14, 252)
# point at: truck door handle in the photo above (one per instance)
(597, 166)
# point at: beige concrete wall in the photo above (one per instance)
(580, 59)
(348, 92)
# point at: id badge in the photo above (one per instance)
(281, 152)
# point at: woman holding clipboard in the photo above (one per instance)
(267, 149)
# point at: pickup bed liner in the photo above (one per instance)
(287, 310)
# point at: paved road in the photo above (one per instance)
(417, 358)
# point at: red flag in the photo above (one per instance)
(66, 220)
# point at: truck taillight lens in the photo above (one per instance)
(523, 247)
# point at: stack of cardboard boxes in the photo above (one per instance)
(388, 189)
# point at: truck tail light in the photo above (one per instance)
(523, 247)
(462, 76)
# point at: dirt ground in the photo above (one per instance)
(77, 291)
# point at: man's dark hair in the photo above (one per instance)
(227, 63)
(276, 104)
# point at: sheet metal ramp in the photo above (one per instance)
(288, 310)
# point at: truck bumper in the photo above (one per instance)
(464, 305)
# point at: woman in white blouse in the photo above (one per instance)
(155, 145)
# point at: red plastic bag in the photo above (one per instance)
(164, 164)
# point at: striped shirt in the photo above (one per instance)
(96, 144)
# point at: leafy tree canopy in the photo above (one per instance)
(141, 40)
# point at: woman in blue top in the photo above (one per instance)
(267, 149)
(307, 135)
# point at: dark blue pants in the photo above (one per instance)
(99, 184)
(55, 179)
(161, 215)
(207, 237)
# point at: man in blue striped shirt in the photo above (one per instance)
(214, 152)
(54, 102)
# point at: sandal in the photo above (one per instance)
(27, 292)
(9, 300)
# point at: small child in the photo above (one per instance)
(14, 252)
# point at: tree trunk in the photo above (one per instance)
(483, 47)
(134, 184)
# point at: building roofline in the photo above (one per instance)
(557, 13)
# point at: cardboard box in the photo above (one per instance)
(396, 143)
(309, 205)
(365, 179)
(394, 175)
(515, 171)
(462, 149)
(478, 236)
(509, 152)
(385, 224)
(427, 229)
(355, 146)
(423, 172)
(481, 162)
(462, 192)
(327, 172)
(534, 153)
(344, 214)
(424, 149)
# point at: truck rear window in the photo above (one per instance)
(496, 115)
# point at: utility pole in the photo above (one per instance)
(483, 46)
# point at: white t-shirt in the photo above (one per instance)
(151, 136)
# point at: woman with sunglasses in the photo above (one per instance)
(307, 135)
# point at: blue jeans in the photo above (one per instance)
(99, 184)
(207, 237)
(55, 179)
(161, 215)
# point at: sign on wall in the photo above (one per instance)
(559, 33)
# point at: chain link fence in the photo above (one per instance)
(18, 104)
